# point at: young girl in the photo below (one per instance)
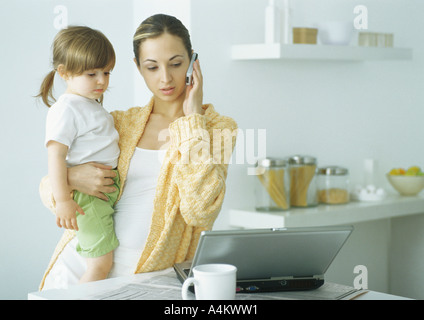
(80, 130)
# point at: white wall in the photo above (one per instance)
(28, 231)
(339, 112)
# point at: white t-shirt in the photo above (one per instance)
(86, 128)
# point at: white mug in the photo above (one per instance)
(212, 282)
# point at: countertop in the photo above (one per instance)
(353, 212)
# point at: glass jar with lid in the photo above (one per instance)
(303, 188)
(272, 186)
(333, 185)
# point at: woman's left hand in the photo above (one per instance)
(194, 93)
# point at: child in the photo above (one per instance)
(80, 130)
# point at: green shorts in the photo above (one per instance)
(96, 234)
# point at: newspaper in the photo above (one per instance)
(164, 285)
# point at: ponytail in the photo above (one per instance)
(46, 89)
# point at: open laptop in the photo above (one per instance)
(267, 260)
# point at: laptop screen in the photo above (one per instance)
(273, 253)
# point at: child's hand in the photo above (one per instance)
(66, 214)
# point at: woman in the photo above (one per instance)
(173, 164)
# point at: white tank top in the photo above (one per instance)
(134, 209)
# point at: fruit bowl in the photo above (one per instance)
(406, 185)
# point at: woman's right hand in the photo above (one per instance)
(92, 178)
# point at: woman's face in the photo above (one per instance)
(163, 64)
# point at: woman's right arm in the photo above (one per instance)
(91, 178)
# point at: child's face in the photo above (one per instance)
(163, 64)
(90, 84)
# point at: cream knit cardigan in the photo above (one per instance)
(189, 194)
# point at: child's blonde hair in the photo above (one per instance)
(79, 49)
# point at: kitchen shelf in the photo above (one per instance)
(317, 52)
(324, 215)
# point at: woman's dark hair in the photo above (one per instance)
(157, 25)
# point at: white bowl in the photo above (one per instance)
(335, 32)
(406, 185)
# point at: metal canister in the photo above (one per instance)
(333, 185)
(303, 188)
(272, 189)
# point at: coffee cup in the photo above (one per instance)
(212, 282)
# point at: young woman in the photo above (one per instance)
(173, 163)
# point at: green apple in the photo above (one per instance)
(413, 171)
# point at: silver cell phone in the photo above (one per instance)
(189, 76)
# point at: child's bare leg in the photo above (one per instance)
(98, 268)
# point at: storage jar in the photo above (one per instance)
(272, 186)
(305, 35)
(303, 188)
(333, 185)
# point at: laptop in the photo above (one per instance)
(269, 260)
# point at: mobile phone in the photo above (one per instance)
(189, 76)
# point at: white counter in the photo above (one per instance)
(162, 285)
(388, 239)
(354, 212)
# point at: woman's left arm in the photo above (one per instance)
(201, 168)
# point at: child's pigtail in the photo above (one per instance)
(46, 89)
